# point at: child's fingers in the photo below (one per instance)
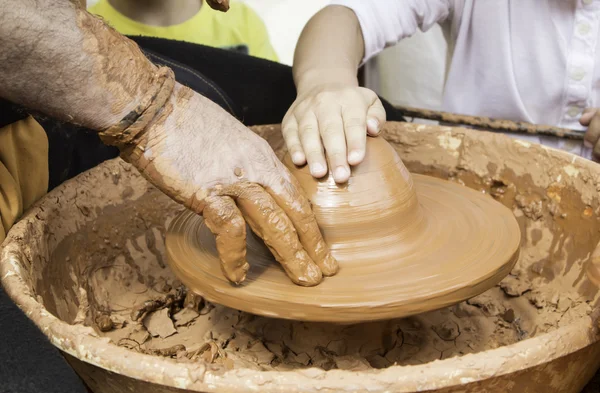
(355, 127)
(289, 128)
(375, 116)
(310, 138)
(331, 128)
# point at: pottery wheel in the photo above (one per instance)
(453, 244)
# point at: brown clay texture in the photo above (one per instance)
(94, 248)
(403, 247)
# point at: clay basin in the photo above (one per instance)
(95, 247)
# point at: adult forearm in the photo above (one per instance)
(59, 60)
(329, 50)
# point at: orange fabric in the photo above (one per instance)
(23, 169)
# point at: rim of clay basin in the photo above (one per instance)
(83, 343)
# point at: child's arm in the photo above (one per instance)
(329, 100)
(331, 111)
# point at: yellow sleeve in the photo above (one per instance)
(23, 169)
(258, 37)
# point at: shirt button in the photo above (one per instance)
(578, 74)
(583, 28)
(573, 111)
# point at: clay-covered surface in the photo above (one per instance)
(93, 251)
(406, 244)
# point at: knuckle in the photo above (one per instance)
(295, 148)
(331, 128)
(321, 98)
(238, 227)
(301, 107)
(311, 142)
(313, 153)
(287, 122)
(307, 128)
(289, 130)
(336, 154)
(273, 179)
(355, 122)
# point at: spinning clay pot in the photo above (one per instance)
(404, 247)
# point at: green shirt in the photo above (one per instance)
(240, 28)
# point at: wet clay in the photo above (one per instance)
(130, 283)
(95, 248)
(305, 264)
(403, 248)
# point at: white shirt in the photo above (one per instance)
(526, 60)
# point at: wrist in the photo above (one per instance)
(119, 74)
(186, 117)
(312, 78)
(169, 147)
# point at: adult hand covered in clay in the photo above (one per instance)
(83, 72)
(212, 164)
(335, 117)
(591, 119)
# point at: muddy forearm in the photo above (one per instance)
(329, 50)
(59, 60)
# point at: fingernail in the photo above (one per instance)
(340, 173)
(354, 156)
(298, 158)
(373, 125)
(317, 169)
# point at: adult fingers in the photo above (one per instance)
(310, 138)
(331, 128)
(376, 116)
(289, 128)
(225, 221)
(272, 225)
(296, 205)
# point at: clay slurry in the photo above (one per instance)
(406, 244)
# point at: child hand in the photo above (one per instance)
(591, 119)
(336, 118)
